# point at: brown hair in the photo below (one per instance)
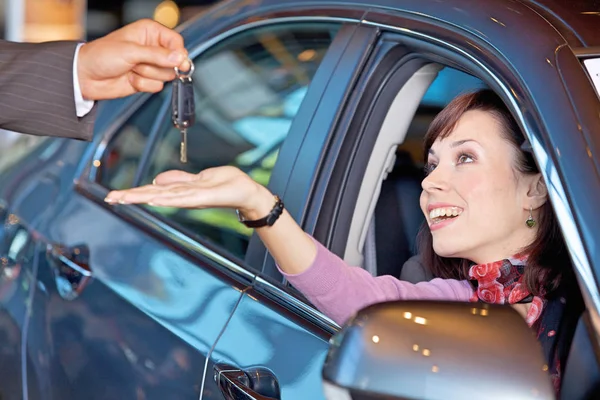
(548, 257)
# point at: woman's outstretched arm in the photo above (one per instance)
(336, 288)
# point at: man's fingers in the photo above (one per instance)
(185, 66)
(157, 34)
(155, 73)
(141, 84)
(153, 55)
(167, 37)
(150, 33)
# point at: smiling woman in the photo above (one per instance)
(474, 143)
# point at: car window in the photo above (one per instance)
(247, 90)
(120, 159)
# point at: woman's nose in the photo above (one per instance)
(435, 180)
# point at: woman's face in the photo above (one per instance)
(475, 201)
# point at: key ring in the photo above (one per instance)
(182, 75)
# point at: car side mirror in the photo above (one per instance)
(436, 350)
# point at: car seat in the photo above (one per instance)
(398, 218)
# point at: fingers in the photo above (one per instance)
(147, 193)
(135, 53)
(141, 84)
(159, 35)
(207, 177)
(149, 33)
(142, 194)
(189, 199)
(174, 176)
(214, 187)
(155, 73)
(185, 66)
(183, 195)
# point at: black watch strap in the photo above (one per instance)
(269, 220)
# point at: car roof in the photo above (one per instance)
(578, 21)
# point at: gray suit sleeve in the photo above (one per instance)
(36, 90)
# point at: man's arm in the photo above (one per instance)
(37, 93)
(37, 81)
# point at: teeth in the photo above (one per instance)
(445, 212)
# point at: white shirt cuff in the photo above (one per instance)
(82, 106)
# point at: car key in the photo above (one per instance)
(183, 106)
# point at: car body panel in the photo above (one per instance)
(263, 335)
(577, 20)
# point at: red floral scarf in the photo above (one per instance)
(501, 282)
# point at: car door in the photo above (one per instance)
(135, 297)
(297, 85)
(27, 188)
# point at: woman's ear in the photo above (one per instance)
(537, 192)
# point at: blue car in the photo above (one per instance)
(327, 104)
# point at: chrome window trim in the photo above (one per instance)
(567, 222)
(87, 186)
(316, 316)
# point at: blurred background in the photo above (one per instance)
(43, 20)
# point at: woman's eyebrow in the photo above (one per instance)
(455, 144)
(461, 142)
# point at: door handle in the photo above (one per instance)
(253, 384)
(71, 268)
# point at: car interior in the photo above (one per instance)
(388, 217)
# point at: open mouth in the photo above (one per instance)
(443, 214)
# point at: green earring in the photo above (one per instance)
(530, 221)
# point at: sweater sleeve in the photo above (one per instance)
(339, 290)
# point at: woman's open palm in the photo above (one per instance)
(220, 187)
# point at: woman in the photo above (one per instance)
(490, 233)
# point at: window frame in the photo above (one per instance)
(431, 41)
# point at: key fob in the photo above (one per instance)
(183, 104)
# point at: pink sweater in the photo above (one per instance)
(339, 290)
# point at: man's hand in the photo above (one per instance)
(139, 57)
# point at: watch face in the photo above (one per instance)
(240, 216)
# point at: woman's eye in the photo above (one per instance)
(429, 167)
(464, 158)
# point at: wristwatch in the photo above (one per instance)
(269, 220)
